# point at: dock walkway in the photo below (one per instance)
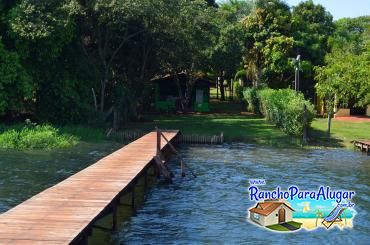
(64, 213)
(363, 145)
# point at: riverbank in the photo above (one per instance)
(249, 128)
(342, 132)
(29, 135)
(228, 117)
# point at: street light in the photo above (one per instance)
(297, 64)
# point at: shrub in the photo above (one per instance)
(238, 91)
(35, 137)
(250, 97)
(283, 107)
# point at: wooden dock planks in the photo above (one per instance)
(59, 214)
(363, 145)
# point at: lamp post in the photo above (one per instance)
(297, 64)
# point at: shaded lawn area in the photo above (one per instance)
(342, 132)
(226, 116)
(279, 227)
(236, 127)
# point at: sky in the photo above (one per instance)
(339, 8)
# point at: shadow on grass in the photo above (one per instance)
(236, 128)
(318, 138)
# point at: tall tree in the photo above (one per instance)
(268, 42)
(346, 76)
(227, 51)
(312, 25)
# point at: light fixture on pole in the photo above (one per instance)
(297, 64)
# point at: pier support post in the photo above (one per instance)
(182, 169)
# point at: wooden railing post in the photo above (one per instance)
(158, 141)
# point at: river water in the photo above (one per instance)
(212, 208)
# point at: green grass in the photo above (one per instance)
(342, 132)
(31, 136)
(35, 137)
(85, 133)
(277, 227)
(225, 117)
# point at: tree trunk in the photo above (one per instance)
(329, 125)
(258, 76)
(305, 119)
(102, 96)
(115, 119)
(222, 89)
(179, 90)
(217, 82)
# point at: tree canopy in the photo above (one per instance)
(72, 61)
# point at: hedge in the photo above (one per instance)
(283, 107)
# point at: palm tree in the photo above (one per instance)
(319, 214)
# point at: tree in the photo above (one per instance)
(228, 48)
(15, 84)
(43, 33)
(346, 75)
(312, 25)
(268, 42)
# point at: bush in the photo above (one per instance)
(250, 97)
(283, 107)
(35, 137)
(238, 91)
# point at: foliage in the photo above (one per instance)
(228, 47)
(15, 84)
(312, 26)
(250, 96)
(283, 107)
(238, 91)
(268, 43)
(35, 137)
(43, 27)
(90, 62)
(346, 76)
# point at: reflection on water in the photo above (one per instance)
(212, 208)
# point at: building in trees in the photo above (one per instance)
(171, 91)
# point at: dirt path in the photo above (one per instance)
(289, 226)
(353, 119)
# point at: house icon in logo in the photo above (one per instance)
(271, 212)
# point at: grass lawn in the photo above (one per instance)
(342, 132)
(277, 227)
(237, 125)
(226, 117)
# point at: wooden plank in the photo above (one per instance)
(60, 213)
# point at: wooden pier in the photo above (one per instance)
(65, 213)
(363, 145)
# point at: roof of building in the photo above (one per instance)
(266, 208)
